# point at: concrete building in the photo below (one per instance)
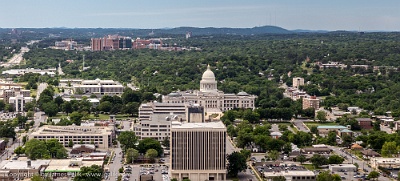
(111, 42)
(146, 110)
(213, 100)
(389, 163)
(297, 82)
(13, 92)
(342, 168)
(276, 134)
(326, 129)
(198, 151)
(50, 71)
(158, 127)
(102, 137)
(18, 102)
(70, 167)
(311, 102)
(292, 175)
(65, 45)
(102, 87)
(21, 169)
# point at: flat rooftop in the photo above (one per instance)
(87, 130)
(332, 127)
(64, 165)
(19, 164)
(179, 125)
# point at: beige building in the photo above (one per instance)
(158, 127)
(213, 100)
(146, 110)
(102, 87)
(390, 163)
(13, 92)
(102, 137)
(292, 175)
(311, 102)
(297, 82)
(198, 151)
(326, 129)
(21, 169)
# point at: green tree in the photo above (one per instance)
(127, 139)
(70, 143)
(36, 149)
(279, 178)
(321, 116)
(150, 143)
(236, 163)
(326, 176)
(335, 159)
(2, 105)
(92, 173)
(76, 117)
(318, 160)
(56, 149)
(389, 149)
(7, 129)
(165, 142)
(67, 107)
(19, 150)
(373, 175)
(273, 154)
(24, 139)
(131, 155)
(50, 108)
(105, 106)
(301, 159)
(151, 154)
(39, 178)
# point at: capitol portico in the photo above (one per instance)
(213, 100)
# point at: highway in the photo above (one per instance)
(17, 58)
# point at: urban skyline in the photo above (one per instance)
(289, 14)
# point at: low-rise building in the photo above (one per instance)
(21, 169)
(389, 163)
(69, 167)
(365, 123)
(292, 175)
(102, 137)
(101, 87)
(3, 145)
(19, 101)
(326, 129)
(78, 148)
(342, 168)
(276, 134)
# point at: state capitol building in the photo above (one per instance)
(213, 100)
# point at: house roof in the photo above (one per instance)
(346, 131)
(363, 119)
(356, 146)
(370, 153)
(276, 133)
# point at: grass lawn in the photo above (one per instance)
(101, 116)
(309, 167)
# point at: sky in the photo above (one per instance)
(364, 15)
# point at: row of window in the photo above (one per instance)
(68, 137)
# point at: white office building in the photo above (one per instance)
(101, 136)
(102, 87)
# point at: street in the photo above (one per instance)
(300, 125)
(17, 58)
(40, 89)
(362, 164)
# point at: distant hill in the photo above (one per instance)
(234, 31)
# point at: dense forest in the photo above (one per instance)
(253, 63)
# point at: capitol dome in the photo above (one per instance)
(208, 74)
